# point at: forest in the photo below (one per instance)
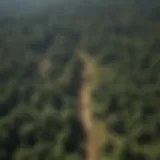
(42, 80)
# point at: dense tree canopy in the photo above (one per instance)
(38, 80)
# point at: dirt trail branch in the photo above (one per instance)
(85, 108)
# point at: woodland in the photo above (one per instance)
(41, 83)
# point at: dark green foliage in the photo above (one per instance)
(38, 101)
